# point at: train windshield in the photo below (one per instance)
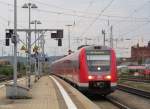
(98, 61)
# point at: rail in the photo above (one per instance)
(136, 80)
(5, 78)
(117, 103)
(135, 91)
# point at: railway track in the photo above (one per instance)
(117, 103)
(138, 92)
(107, 102)
(136, 80)
(5, 79)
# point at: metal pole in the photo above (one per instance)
(35, 53)
(69, 37)
(38, 39)
(104, 38)
(43, 56)
(35, 69)
(40, 63)
(2, 51)
(29, 47)
(27, 59)
(38, 66)
(15, 44)
(103, 32)
(35, 30)
(111, 36)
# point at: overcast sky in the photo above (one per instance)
(130, 20)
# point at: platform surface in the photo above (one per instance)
(45, 95)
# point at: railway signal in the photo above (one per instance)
(58, 35)
(12, 33)
(59, 42)
(8, 36)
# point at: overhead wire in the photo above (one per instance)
(131, 15)
(138, 27)
(82, 12)
(5, 19)
(139, 8)
(134, 18)
(102, 11)
(71, 14)
(88, 17)
(54, 6)
(89, 5)
(135, 11)
(79, 21)
(62, 13)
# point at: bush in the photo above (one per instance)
(6, 70)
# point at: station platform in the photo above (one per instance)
(45, 94)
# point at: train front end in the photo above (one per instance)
(102, 71)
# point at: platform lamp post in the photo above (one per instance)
(69, 49)
(29, 6)
(35, 22)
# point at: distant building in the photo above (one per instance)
(140, 54)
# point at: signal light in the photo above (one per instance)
(53, 35)
(59, 42)
(7, 42)
(8, 35)
(60, 33)
(11, 31)
(46, 59)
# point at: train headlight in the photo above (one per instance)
(108, 77)
(98, 68)
(90, 77)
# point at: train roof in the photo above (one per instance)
(86, 47)
(95, 47)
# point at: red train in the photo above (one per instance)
(91, 68)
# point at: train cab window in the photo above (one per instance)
(98, 62)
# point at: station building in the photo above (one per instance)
(140, 53)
